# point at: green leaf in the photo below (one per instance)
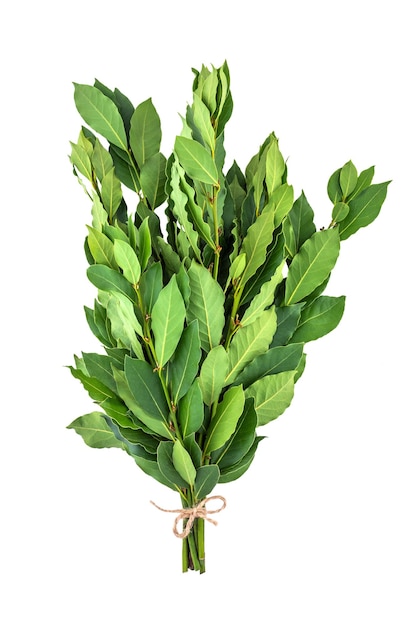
(127, 261)
(144, 243)
(364, 180)
(183, 367)
(98, 213)
(145, 132)
(275, 167)
(100, 247)
(118, 412)
(364, 208)
(101, 114)
(166, 464)
(97, 390)
(274, 361)
(272, 395)
(223, 423)
(146, 388)
(195, 211)
(255, 244)
(151, 285)
(282, 202)
(206, 479)
(123, 322)
(298, 225)
(153, 179)
(249, 342)
(151, 468)
(196, 161)
(213, 373)
(168, 315)
(95, 431)
(81, 160)
(99, 366)
(319, 318)
(348, 178)
(264, 298)
(179, 203)
(202, 119)
(191, 410)
(101, 160)
(107, 279)
(183, 463)
(206, 305)
(312, 265)
(236, 471)
(111, 193)
(340, 211)
(155, 425)
(242, 439)
(333, 187)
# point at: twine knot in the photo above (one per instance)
(191, 514)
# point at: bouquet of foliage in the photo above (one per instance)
(202, 315)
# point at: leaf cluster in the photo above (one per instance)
(207, 291)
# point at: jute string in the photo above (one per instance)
(193, 513)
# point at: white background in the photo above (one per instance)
(322, 529)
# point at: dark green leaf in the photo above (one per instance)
(166, 464)
(151, 285)
(97, 390)
(206, 479)
(190, 413)
(242, 439)
(183, 366)
(146, 388)
(298, 225)
(153, 179)
(236, 471)
(99, 366)
(274, 361)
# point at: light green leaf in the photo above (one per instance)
(223, 423)
(312, 265)
(340, 211)
(196, 161)
(364, 180)
(241, 441)
(111, 193)
(364, 208)
(127, 261)
(202, 120)
(348, 178)
(179, 200)
(206, 479)
(98, 213)
(145, 132)
(183, 463)
(213, 373)
(81, 160)
(272, 395)
(100, 247)
(206, 305)
(275, 167)
(167, 322)
(183, 367)
(249, 342)
(281, 202)
(101, 114)
(95, 431)
(191, 410)
(264, 298)
(319, 318)
(101, 160)
(255, 244)
(123, 322)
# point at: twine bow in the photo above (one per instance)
(191, 514)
